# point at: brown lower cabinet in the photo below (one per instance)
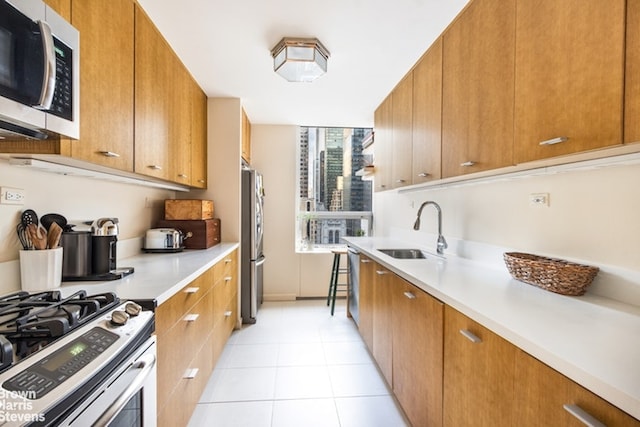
(192, 328)
(446, 369)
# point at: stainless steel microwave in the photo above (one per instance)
(39, 72)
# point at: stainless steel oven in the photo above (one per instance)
(126, 398)
(76, 361)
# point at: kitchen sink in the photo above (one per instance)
(405, 253)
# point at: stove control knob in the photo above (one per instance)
(119, 318)
(132, 309)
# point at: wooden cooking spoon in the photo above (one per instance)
(38, 236)
(53, 236)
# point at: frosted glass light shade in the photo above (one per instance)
(300, 60)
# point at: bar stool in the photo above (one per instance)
(336, 271)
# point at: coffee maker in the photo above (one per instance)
(91, 255)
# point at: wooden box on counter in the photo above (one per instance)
(188, 209)
(206, 232)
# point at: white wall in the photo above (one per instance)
(287, 274)
(76, 198)
(223, 165)
(593, 214)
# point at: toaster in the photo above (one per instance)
(164, 238)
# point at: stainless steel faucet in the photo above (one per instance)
(442, 243)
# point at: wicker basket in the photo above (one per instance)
(555, 275)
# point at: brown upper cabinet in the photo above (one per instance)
(401, 133)
(198, 137)
(106, 82)
(153, 79)
(246, 137)
(384, 150)
(478, 85)
(180, 125)
(427, 116)
(569, 76)
(632, 75)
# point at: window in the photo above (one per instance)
(333, 201)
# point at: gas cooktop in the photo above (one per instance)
(30, 321)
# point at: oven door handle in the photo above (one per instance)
(145, 364)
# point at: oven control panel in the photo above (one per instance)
(54, 369)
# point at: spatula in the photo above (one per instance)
(53, 236)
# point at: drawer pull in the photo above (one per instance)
(365, 261)
(191, 317)
(470, 336)
(227, 261)
(228, 278)
(400, 181)
(109, 154)
(381, 272)
(554, 141)
(155, 167)
(583, 416)
(423, 174)
(467, 164)
(191, 290)
(190, 374)
(228, 313)
(410, 295)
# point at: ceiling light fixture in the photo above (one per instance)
(300, 59)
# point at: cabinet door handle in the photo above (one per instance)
(190, 374)
(228, 278)
(109, 154)
(191, 290)
(467, 164)
(400, 181)
(583, 416)
(470, 336)
(365, 261)
(155, 167)
(423, 174)
(410, 295)
(381, 272)
(191, 317)
(554, 141)
(227, 260)
(182, 175)
(228, 313)
(201, 181)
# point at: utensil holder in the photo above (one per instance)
(41, 270)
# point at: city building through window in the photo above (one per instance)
(333, 199)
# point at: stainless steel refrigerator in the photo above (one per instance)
(252, 256)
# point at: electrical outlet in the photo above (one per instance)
(12, 196)
(539, 199)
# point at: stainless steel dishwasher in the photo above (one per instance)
(354, 282)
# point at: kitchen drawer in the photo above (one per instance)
(182, 401)
(223, 292)
(226, 267)
(184, 338)
(169, 312)
(224, 327)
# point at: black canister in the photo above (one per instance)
(77, 253)
(104, 254)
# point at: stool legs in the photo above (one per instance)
(333, 284)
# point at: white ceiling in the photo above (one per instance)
(226, 45)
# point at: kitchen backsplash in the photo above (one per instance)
(592, 218)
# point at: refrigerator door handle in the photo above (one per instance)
(261, 260)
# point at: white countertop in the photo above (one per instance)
(157, 276)
(592, 340)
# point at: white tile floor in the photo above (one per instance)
(297, 366)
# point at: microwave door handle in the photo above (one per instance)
(49, 78)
